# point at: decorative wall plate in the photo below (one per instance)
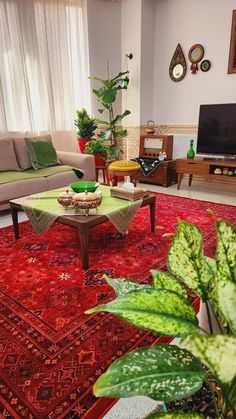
(178, 66)
(205, 65)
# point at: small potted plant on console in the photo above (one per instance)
(99, 150)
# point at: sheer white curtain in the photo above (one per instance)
(43, 64)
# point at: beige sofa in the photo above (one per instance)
(25, 181)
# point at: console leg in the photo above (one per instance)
(180, 177)
(190, 180)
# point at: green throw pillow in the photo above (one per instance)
(42, 152)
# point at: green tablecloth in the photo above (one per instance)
(43, 209)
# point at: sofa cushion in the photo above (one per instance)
(12, 176)
(42, 152)
(22, 153)
(7, 155)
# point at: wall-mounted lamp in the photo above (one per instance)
(130, 56)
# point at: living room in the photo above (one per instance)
(51, 352)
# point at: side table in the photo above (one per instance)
(104, 174)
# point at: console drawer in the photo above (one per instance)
(191, 168)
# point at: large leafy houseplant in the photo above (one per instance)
(169, 372)
(107, 95)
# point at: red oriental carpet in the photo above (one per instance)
(50, 352)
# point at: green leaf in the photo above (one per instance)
(186, 259)
(119, 76)
(114, 151)
(162, 311)
(106, 83)
(121, 133)
(122, 285)
(105, 135)
(211, 263)
(162, 372)
(167, 281)
(102, 121)
(231, 393)
(98, 93)
(109, 96)
(176, 415)
(226, 299)
(218, 353)
(119, 118)
(226, 251)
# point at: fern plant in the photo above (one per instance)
(85, 124)
(169, 372)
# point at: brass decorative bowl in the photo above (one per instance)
(65, 199)
(86, 201)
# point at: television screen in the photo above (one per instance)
(217, 129)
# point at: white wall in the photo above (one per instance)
(104, 37)
(188, 22)
(147, 60)
(131, 43)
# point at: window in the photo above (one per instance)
(43, 64)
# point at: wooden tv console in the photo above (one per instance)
(205, 169)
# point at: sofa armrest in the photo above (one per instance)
(84, 162)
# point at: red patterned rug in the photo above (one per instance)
(50, 352)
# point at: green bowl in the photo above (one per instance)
(89, 186)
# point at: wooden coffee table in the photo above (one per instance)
(81, 223)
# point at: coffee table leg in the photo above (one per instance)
(152, 206)
(84, 240)
(14, 216)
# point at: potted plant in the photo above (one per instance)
(86, 127)
(169, 372)
(99, 150)
(107, 95)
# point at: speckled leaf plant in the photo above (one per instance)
(168, 372)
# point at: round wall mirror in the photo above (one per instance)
(196, 53)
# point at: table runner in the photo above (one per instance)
(43, 209)
(147, 165)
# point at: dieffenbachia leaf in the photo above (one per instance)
(162, 372)
(217, 352)
(226, 300)
(122, 285)
(161, 311)
(211, 263)
(186, 259)
(226, 251)
(167, 281)
(176, 415)
(230, 390)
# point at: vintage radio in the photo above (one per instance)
(152, 145)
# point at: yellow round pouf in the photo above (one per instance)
(124, 165)
(124, 168)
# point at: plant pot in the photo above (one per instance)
(82, 143)
(99, 160)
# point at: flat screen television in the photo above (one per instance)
(217, 130)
